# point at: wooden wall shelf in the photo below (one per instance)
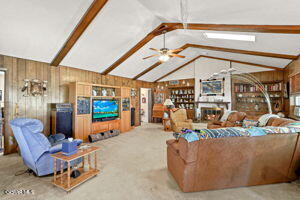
(82, 123)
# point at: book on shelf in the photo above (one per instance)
(274, 87)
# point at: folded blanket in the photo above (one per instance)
(194, 135)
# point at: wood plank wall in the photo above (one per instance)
(58, 92)
(292, 68)
(267, 76)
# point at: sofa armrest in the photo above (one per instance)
(188, 151)
(55, 149)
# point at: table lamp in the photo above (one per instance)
(169, 104)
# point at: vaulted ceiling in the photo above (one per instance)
(38, 30)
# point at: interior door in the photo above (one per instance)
(150, 105)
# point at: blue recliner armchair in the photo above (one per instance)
(35, 147)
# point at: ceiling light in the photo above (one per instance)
(249, 38)
(164, 58)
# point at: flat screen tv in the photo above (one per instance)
(105, 109)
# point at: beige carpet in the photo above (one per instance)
(133, 167)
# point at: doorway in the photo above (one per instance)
(2, 86)
(146, 105)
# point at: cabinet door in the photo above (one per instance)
(87, 127)
(87, 90)
(79, 127)
(80, 90)
(84, 90)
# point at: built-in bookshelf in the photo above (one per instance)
(249, 98)
(182, 97)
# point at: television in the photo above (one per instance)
(105, 109)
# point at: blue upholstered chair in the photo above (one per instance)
(35, 147)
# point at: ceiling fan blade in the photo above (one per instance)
(154, 49)
(175, 50)
(150, 56)
(176, 55)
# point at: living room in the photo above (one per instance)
(136, 99)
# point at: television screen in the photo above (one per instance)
(105, 108)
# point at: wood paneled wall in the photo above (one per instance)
(291, 69)
(58, 92)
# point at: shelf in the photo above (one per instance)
(84, 176)
(258, 91)
(183, 102)
(116, 97)
(180, 87)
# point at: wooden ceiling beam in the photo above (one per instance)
(85, 21)
(284, 29)
(178, 68)
(156, 64)
(246, 63)
(213, 48)
(217, 58)
(157, 31)
(240, 51)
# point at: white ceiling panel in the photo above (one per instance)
(166, 67)
(115, 30)
(265, 42)
(35, 29)
(272, 12)
(136, 64)
(273, 62)
(203, 63)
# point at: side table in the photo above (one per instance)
(167, 124)
(64, 179)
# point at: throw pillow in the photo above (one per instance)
(247, 123)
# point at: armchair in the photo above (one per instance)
(231, 121)
(35, 147)
(179, 120)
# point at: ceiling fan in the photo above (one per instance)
(165, 53)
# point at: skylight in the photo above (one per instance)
(249, 38)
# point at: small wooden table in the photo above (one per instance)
(64, 179)
(167, 124)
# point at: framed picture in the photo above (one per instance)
(159, 98)
(212, 87)
(174, 82)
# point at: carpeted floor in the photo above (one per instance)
(133, 166)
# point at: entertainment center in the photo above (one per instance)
(99, 108)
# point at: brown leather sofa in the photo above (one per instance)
(220, 163)
(232, 120)
(179, 120)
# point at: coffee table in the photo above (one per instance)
(64, 179)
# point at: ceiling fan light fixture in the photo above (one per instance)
(164, 58)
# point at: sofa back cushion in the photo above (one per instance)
(179, 115)
(279, 121)
(236, 116)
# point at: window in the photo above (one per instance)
(297, 105)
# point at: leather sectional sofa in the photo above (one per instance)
(229, 162)
(230, 122)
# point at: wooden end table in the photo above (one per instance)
(64, 179)
(167, 124)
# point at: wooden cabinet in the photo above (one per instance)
(84, 90)
(82, 122)
(82, 127)
(99, 127)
